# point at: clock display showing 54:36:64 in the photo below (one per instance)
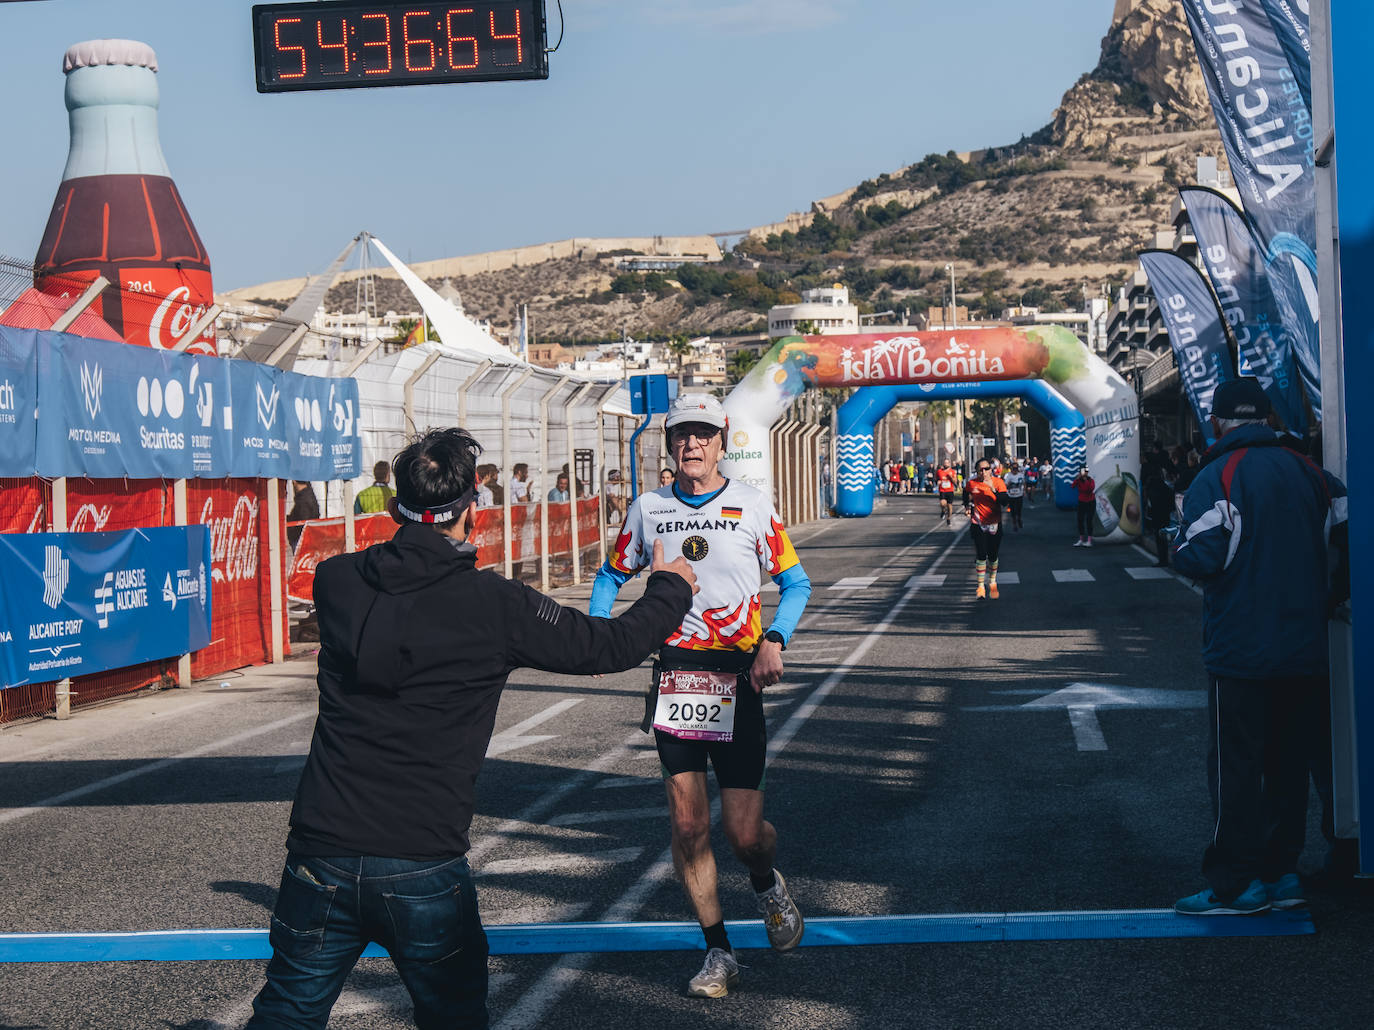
(307, 46)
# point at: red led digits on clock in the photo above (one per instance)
(341, 46)
(384, 43)
(419, 41)
(452, 39)
(276, 38)
(519, 46)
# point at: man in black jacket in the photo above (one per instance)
(416, 645)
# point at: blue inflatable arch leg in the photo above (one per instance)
(854, 459)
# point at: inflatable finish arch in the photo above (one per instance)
(1049, 352)
(858, 415)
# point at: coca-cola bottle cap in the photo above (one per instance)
(109, 51)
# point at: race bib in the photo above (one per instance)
(696, 704)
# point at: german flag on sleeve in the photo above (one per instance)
(731, 513)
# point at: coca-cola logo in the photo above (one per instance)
(164, 332)
(233, 540)
(89, 518)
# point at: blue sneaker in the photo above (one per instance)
(1252, 900)
(1286, 892)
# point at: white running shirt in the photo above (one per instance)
(1016, 484)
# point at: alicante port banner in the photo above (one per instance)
(1291, 21)
(108, 411)
(1195, 331)
(1266, 126)
(78, 603)
(1236, 268)
(18, 401)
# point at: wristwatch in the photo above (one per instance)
(776, 638)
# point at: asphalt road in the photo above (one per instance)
(922, 763)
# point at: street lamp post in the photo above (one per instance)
(953, 325)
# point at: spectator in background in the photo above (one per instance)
(581, 486)
(560, 488)
(483, 491)
(665, 478)
(1086, 487)
(375, 497)
(1159, 502)
(304, 507)
(520, 484)
(615, 497)
(493, 483)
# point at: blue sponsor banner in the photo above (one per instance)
(1290, 19)
(1196, 333)
(1242, 289)
(323, 423)
(1266, 126)
(78, 603)
(18, 401)
(262, 439)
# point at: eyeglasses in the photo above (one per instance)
(702, 433)
(984, 468)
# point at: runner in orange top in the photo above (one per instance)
(947, 479)
(985, 497)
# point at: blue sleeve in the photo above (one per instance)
(795, 589)
(605, 588)
(1209, 520)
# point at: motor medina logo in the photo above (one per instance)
(92, 383)
(267, 405)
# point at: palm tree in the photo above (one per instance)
(679, 348)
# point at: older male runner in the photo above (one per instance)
(706, 702)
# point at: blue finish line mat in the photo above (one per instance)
(568, 938)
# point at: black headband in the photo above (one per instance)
(438, 514)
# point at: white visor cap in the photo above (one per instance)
(696, 407)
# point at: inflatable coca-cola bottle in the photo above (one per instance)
(117, 212)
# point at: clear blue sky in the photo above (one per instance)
(658, 116)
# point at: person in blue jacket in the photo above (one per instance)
(1257, 523)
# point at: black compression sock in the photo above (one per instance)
(762, 883)
(715, 936)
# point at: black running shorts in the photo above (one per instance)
(738, 763)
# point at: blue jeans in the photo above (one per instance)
(423, 913)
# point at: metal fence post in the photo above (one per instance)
(544, 481)
(57, 516)
(572, 484)
(505, 460)
(274, 559)
(179, 518)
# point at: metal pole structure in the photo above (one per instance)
(274, 558)
(544, 481)
(179, 518)
(350, 527)
(362, 356)
(813, 495)
(477, 374)
(285, 346)
(601, 508)
(197, 327)
(572, 484)
(408, 405)
(82, 303)
(505, 460)
(57, 515)
(634, 456)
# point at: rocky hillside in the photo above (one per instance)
(1036, 221)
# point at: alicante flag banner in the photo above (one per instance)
(1195, 329)
(1266, 126)
(78, 603)
(1237, 273)
(1290, 19)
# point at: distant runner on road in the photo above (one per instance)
(985, 497)
(706, 701)
(946, 480)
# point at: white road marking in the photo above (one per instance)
(1082, 700)
(927, 579)
(550, 863)
(513, 737)
(618, 815)
(85, 741)
(1149, 572)
(12, 814)
(543, 913)
(1087, 731)
(1008, 578)
(1073, 576)
(854, 583)
(534, 1004)
(1186, 582)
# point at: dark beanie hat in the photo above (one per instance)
(1240, 398)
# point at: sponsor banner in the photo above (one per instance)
(18, 401)
(1195, 330)
(24, 505)
(324, 538)
(323, 424)
(1266, 126)
(262, 438)
(1235, 266)
(1290, 19)
(79, 603)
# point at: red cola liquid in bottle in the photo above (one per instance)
(118, 212)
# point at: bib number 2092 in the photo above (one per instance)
(696, 705)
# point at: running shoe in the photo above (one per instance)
(1078, 542)
(1286, 892)
(981, 593)
(718, 974)
(1251, 901)
(1088, 542)
(992, 590)
(781, 917)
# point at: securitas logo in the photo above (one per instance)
(56, 574)
(92, 382)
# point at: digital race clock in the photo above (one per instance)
(301, 46)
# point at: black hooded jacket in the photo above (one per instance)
(415, 647)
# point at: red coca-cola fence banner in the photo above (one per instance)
(24, 505)
(324, 538)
